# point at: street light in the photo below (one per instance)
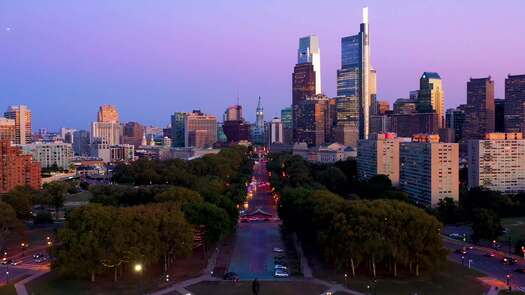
(137, 267)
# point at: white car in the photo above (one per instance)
(281, 267)
(279, 273)
(278, 250)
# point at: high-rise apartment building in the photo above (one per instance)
(497, 162)
(379, 155)
(356, 79)
(133, 134)
(7, 129)
(479, 111)
(431, 97)
(515, 103)
(51, 155)
(107, 126)
(429, 169)
(22, 116)
(17, 168)
(200, 130)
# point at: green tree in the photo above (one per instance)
(180, 195)
(449, 211)
(486, 225)
(9, 223)
(57, 191)
(21, 198)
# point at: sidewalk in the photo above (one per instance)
(21, 285)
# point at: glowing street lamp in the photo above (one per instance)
(137, 267)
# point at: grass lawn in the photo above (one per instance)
(7, 290)
(267, 288)
(516, 227)
(84, 196)
(452, 279)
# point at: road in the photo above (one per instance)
(253, 256)
(26, 266)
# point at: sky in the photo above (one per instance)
(64, 58)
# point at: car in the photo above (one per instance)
(455, 236)
(15, 263)
(40, 259)
(6, 261)
(278, 250)
(520, 270)
(461, 251)
(279, 273)
(490, 254)
(279, 266)
(37, 255)
(509, 260)
(231, 276)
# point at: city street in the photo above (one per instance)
(25, 267)
(253, 253)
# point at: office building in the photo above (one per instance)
(382, 107)
(309, 53)
(107, 126)
(431, 96)
(258, 136)
(405, 106)
(455, 119)
(497, 162)
(314, 120)
(407, 125)
(479, 111)
(200, 130)
(133, 133)
(499, 110)
(17, 168)
(515, 103)
(66, 134)
(275, 131)
(429, 170)
(287, 120)
(56, 155)
(233, 113)
(177, 129)
(379, 155)
(122, 153)
(22, 116)
(7, 129)
(81, 141)
(236, 131)
(356, 78)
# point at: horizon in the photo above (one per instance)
(74, 63)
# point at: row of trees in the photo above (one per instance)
(155, 213)
(97, 239)
(389, 235)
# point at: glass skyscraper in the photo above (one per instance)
(353, 79)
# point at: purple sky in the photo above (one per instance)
(64, 58)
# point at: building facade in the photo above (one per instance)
(429, 170)
(22, 116)
(17, 168)
(455, 119)
(479, 111)
(177, 129)
(200, 130)
(431, 96)
(7, 129)
(275, 131)
(133, 133)
(49, 155)
(107, 126)
(497, 162)
(515, 103)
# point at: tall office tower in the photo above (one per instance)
(259, 128)
(431, 97)
(221, 136)
(382, 107)
(429, 169)
(51, 155)
(347, 118)
(499, 115)
(379, 154)
(108, 113)
(133, 133)
(233, 113)
(455, 119)
(313, 117)
(404, 106)
(497, 162)
(515, 103)
(287, 120)
(81, 140)
(236, 131)
(275, 131)
(17, 168)
(22, 116)
(7, 129)
(309, 53)
(372, 89)
(107, 125)
(177, 129)
(479, 111)
(356, 78)
(413, 95)
(407, 125)
(200, 130)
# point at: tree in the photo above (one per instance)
(9, 223)
(57, 191)
(21, 198)
(486, 225)
(449, 211)
(180, 195)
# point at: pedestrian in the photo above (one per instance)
(256, 287)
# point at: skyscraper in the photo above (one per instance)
(177, 129)
(233, 113)
(499, 115)
(17, 168)
(7, 129)
(107, 126)
(431, 97)
(287, 120)
(200, 130)
(356, 78)
(455, 119)
(259, 128)
(22, 116)
(309, 53)
(479, 111)
(133, 133)
(515, 103)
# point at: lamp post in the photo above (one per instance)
(139, 269)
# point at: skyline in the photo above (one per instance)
(73, 63)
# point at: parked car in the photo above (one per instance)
(279, 273)
(231, 276)
(509, 260)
